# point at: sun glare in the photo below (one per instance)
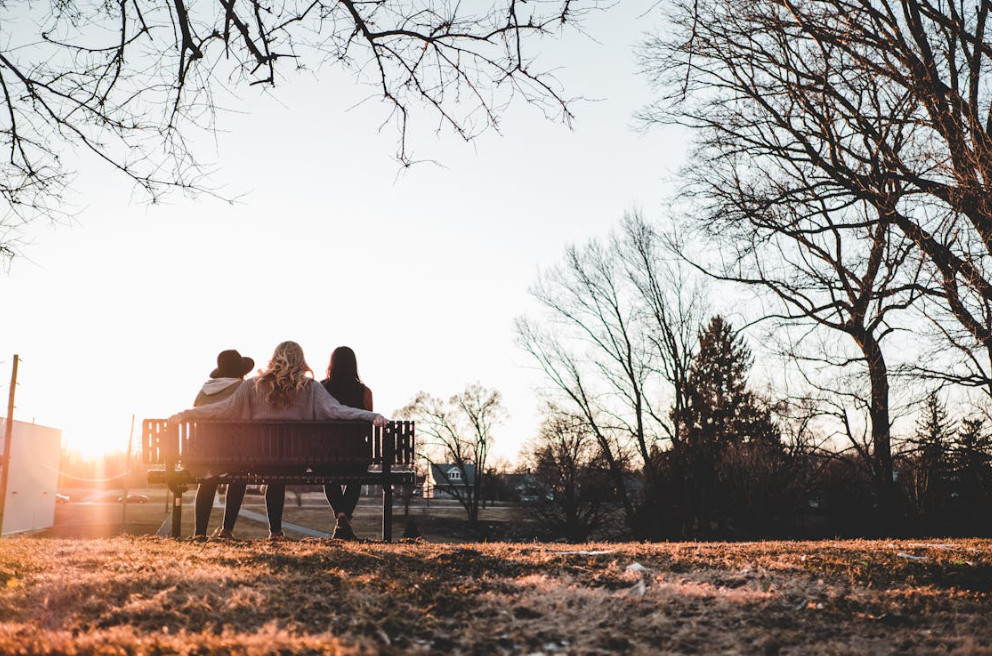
(90, 446)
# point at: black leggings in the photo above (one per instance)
(342, 503)
(205, 493)
(275, 501)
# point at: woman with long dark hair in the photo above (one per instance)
(345, 385)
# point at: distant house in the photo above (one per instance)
(445, 481)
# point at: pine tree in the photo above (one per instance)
(721, 410)
(972, 463)
(724, 425)
(931, 444)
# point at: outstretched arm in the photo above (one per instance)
(234, 406)
(328, 407)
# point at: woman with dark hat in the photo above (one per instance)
(223, 382)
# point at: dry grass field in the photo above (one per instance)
(147, 595)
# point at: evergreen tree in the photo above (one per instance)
(930, 478)
(972, 464)
(721, 410)
(727, 431)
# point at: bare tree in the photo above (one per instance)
(827, 266)
(568, 482)
(674, 307)
(879, 102)
(127, 81)
(459, 432)
(618, 332)
(821, 152)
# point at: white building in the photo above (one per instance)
(33, 479)
(445, 480)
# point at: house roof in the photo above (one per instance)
(440, 472)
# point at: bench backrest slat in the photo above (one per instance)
(223, 445)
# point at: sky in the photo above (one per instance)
(420, 270)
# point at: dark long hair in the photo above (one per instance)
(343, 381)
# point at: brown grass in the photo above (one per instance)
(156, 596)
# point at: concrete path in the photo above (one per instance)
(295, 528)
(166, 528)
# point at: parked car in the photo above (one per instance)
(61, 498)
(133, 498)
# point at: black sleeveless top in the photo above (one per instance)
(349, 393)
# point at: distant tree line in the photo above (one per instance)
(653, 421)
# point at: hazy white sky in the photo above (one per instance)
(421, 271)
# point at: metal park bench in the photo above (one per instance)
(291, 452)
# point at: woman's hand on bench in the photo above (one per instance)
(379, 421)
(176, 419)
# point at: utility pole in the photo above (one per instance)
(127, 473)
(7, 435)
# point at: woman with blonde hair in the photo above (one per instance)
(285, 389)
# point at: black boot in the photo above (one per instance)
(343, 530)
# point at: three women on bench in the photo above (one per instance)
(285, 389)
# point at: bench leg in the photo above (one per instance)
(177, 488)
(387, 511)
(177, 513)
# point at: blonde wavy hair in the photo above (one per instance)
(285, 376)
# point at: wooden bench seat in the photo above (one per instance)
(292, 452)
